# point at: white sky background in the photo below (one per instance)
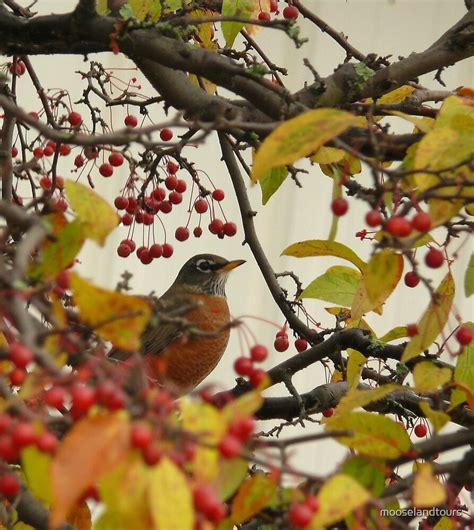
(395, 27)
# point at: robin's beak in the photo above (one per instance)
(231, 265)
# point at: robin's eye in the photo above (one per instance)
(204, 265)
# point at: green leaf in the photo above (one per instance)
(142, 9)
(168, 491)
(254, 494)
(469, 277)
(367, 473)
(317, 247)
(235, 8)
(37, 466)
(337, 285)
(373, 434)
(464, 372)
(395, 333)
(299, 137)
(97, 217)
(271, 181)
(433, 319)
(102, 7)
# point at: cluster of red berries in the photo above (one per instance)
(20, 356)
(399, 226)
(238, 433)
(290, 12)
(282, 342)
(208, 505)
(161, 200)
(300, 514)
(244, 366)
(15, 434)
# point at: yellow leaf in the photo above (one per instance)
(438, 418)
(244, 405)
(428, 376)
(420, 123)
(336, 376)
(373, 434)
(318, 247)
(205, 422)
(97, 217)
(354, 366)
(168, 491)
(433, 320)
(427, 489)
(92, 448)
(379, 280)
(254, 494)
(395, 333)
(396, 96)
(327, 155)
(117, 317)
(442, 210)
(299, 137)
(36, 466)
(231, 474)
(445, 523)
(339, 496)
(360, 398)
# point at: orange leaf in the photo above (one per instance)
(80, 517)
(92, 448)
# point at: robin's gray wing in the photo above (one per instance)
(166, 324)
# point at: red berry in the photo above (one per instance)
(175, 198)
(197, 232)
(46, 183)
(91, 153)
(83, 397)
(204, 497)
(273, 6)
(201, 206)
(181, 186)
(145, 257)
(242, 428)
(9, 485)
(116, 159)
(5, 422)
(166, 207)
(230, 446)
(420, 430)
(339, 206)
(140, 251)
(217, 512)
(167, 250)
(106, 170)
(46, 442)
(230, 229)
(8, 451)
(290, 13)
(171, 182)
(299, 515)
(20, 355)
(64, 150)
(327, 413)
(151, 454)
(301, 344)
(156, 250)
(23, 434)
(74, 119)
(140, 435)
(243, 366)
(121, 203)
(158, 194)
(434, 258)
(411, 279)
(130, 121)
(19, 69)
(281, 344)
(48, 150)
(412, 330)
(14, 151)
(63, 279)
(256, 377)
(78, 161)
(147, 218)
(373, 218)
(171, 167)
(182, 233)
(258, 353)
(126, 219)
(17, 376)
(216, 226)
(421, 222)
(312, 503)
(38, 152)
(282, 332)
(166, 135)
(464, 335)
(398, 226)
(123, 251)
(55, 397)
(59, 182)
(264, 16)
(218, 195)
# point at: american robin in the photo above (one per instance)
(190, 325)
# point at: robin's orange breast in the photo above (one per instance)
(189, 359)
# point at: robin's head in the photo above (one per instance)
(207, 273)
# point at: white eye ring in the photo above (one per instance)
(204, 265)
